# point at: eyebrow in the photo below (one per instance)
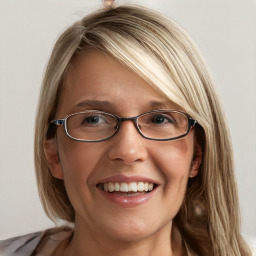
(106, 104)
(161, 105)
(94, 104)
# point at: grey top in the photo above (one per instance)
(28, 245)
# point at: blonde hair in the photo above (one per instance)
(158, 50)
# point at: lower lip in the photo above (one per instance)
(128, 201)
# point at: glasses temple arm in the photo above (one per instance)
(52, 127)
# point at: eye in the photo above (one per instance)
(162, 119)
(94, 120)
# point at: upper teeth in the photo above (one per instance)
(128, 187)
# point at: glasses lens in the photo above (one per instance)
(91, 125)
(163, 124)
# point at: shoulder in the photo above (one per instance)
(28, 244)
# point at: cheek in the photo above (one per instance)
(78, 159)
(174, 158)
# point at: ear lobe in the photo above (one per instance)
(197, 160)
(52, 157)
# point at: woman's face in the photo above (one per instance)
(99, 82)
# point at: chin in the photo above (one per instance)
(129, 230)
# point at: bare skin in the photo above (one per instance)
(103, 227)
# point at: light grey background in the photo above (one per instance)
(224, 31)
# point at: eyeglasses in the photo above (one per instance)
(94, 125)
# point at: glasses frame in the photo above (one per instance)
(134, 119)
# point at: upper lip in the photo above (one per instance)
(124, 178)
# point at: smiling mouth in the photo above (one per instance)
(127, 189)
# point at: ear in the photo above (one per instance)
(52, 157)
(197, 160)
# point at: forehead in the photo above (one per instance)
(96, 77)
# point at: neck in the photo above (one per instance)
(85, 242)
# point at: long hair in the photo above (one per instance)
(161, 52)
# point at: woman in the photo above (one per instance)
(131, 145)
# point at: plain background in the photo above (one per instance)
(225, 32)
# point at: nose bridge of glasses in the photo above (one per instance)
(133, 119)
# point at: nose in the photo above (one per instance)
(128, 145)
